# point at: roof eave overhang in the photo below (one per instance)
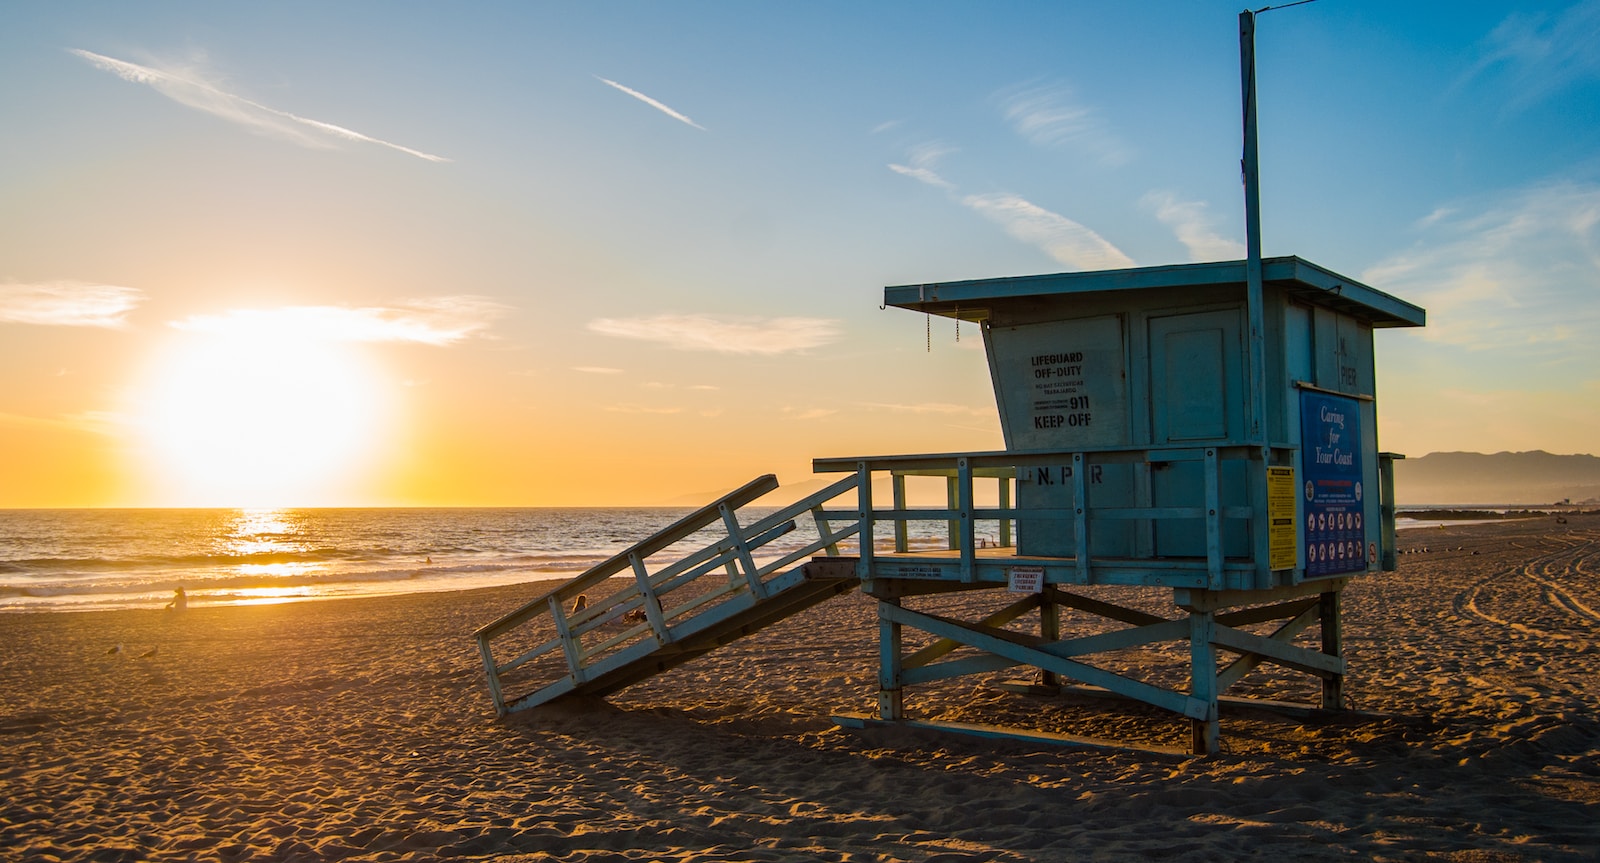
(972, 299)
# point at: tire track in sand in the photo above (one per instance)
(1579, 553)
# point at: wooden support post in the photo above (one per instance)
(891, 696)
(966, 528)
(1005, 505)
(869, 528)
(825, 530)
(1050, 631)
(1080, 516)
(1386, 511)
(1331, 608)
(952, 494)
(1213, 473)
(647, 592)
(569, 641)
(1144, 496)
(491, 672)
(1260, 521)
(752, 573)
(902, 536)
(1207, 737)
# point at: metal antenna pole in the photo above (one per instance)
(1251, 167)
(1252, 228)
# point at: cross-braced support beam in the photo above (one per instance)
(1211, 622)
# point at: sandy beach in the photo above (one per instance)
(361, 730)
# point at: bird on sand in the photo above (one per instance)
(114, 649)
(149, 653)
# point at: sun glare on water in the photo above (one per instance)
(254, 415)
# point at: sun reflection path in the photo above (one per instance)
(270, 595)
(262, 531)
(263, 542)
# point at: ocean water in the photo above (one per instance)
(78, 560)
(82, 560)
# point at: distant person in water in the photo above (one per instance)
(180, 601)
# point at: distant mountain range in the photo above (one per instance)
(1536, 478)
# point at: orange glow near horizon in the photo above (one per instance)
(257, 417)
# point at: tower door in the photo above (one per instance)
(1197, 396)
(1199, 388)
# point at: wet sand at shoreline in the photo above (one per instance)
(362, 730)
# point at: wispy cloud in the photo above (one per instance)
(729, 335)
(436, 321)
(1193, 223)
(1541, 54)
(108, 423)
(597, 370)
(934, 408)
(1049, 115)
(668, 385)
(1058, 236)
(922, 175)
(923, 158)
(644, 409)
(659, 106)
(188, 87)
(1519, 273)
(67, 304)
(806, 414)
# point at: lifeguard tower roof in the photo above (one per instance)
(1299, 279)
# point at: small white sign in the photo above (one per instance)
(1027, 579)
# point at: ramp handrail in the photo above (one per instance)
(587, 635)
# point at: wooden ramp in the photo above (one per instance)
(640, 615)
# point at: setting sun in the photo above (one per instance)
(253, 414)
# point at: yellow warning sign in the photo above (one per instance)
(1280, 518)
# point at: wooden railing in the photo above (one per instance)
(1214, 567)
(953, 490)
(552, 637)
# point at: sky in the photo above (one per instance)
(617, 253)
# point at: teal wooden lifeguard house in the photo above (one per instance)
(1204, 431)
(1153, 441)
(1162, 432)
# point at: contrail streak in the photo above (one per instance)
(206, 97)
(651, 102)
